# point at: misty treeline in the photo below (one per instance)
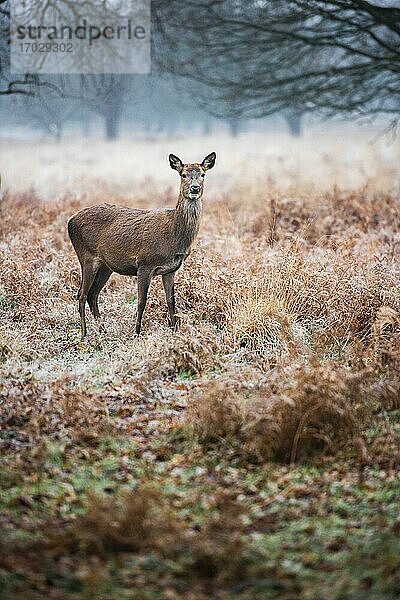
(81, 104)
(232, 60)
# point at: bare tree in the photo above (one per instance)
(105, 95)
(49, 111)
(37, 15)
(260, 57)
(8, 84)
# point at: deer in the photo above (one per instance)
(138, 242)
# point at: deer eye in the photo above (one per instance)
(183, 176)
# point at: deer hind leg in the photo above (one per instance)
(169, 288)
(78, 293)
(88, 275)
(143, 283)
(100, 280)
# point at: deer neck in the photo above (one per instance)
(187, 222)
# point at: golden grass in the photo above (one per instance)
(292, 310)
(288, 350)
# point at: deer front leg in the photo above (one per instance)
(168, 283)
(143, 282)
(88, 276)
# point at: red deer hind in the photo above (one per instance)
(138, 242)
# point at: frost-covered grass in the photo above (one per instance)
(252, 454)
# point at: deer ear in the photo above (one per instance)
(209, 161)
(175, 163)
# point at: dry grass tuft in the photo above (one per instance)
(261, 322)
(192, 351)
(290, 413)
(134, 521)
(30, 410)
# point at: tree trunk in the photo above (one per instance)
(113, 112)
(86, 126)
(294, 123)
(112, 124)
(234, 126)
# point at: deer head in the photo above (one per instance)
(192, 175)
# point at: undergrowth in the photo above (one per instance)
(250, 454)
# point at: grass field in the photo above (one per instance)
(253, 454)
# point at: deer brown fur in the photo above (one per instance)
(144, 243)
